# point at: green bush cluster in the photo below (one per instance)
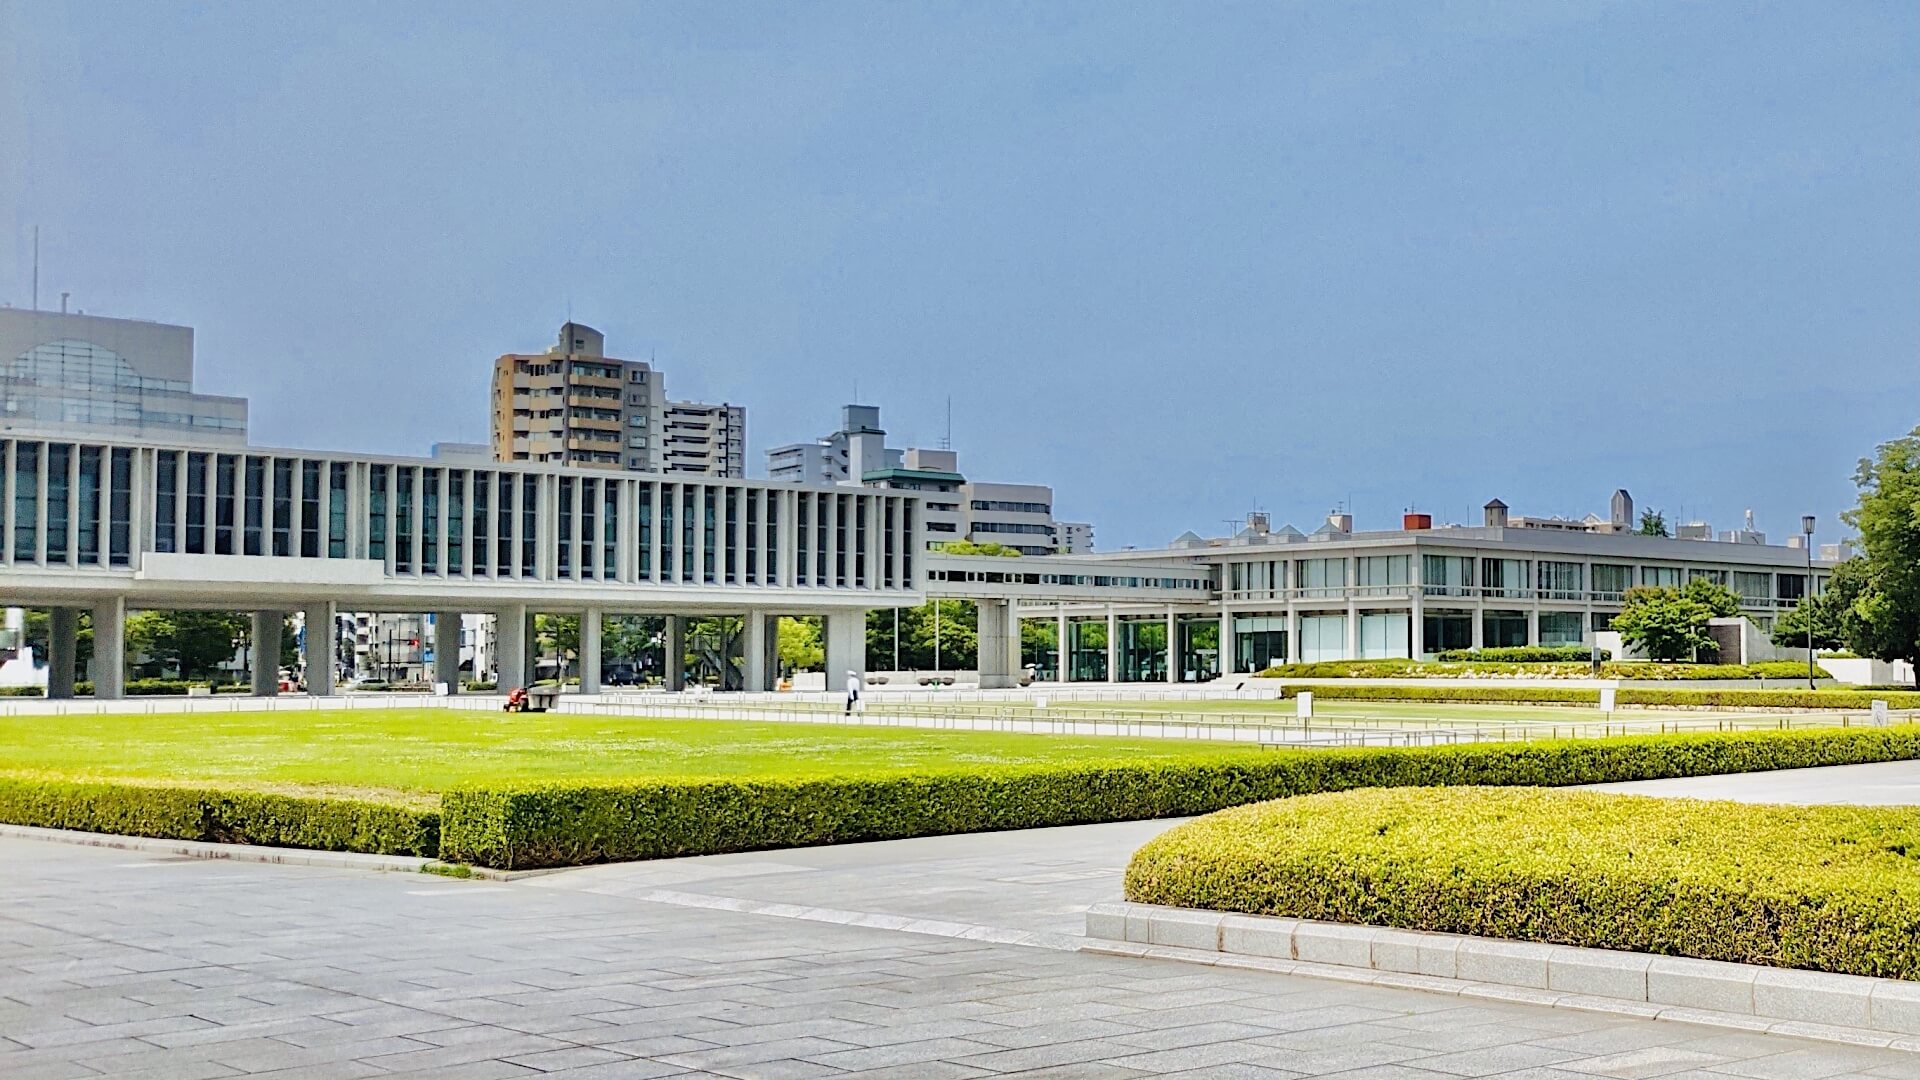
(1524, 654)
(138, 688)
(572, 824)
(324, 823)
(1850, 700)
(1831, 888)
(1456, 665)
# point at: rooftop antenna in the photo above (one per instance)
(36, 268)
(946, 443)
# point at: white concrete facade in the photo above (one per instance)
(84, 376)
(106, 526)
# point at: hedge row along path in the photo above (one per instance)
(1826, 888)
(561, 789)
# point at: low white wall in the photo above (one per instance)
(1863, 672)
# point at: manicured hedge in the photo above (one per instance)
(565, 825)
(1482, 665)
(1853, 700)
(1831, 888)
(1524, 654)
(232, 817)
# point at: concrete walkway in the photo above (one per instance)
(116, 964)
(1890, 783)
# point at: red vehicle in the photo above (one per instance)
(516, 700)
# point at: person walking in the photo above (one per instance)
(853, 693)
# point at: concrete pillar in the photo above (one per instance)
(753, 652)
(1174, 665)
(1225, 661)
(1533, 626)
(1417, 625)
(446, 649)
(1353, 632)
(846, 642)
(268, 627)
(1293, 636)
(110, 649)
(1113, 645)
(1479, 626)
(510, 647)
(999, 639)
(676, 653)
(591, 623)
(1062, 649)
(63, 640)
(322, 630)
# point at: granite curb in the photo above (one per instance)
(1782, 1001)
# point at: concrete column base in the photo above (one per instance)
(591, 625)
(110, 649)
(321, 634)
(63, 645)
(446, 649)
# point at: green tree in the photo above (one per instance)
(1882, 618)
(558, 636)
(800, 646)
(1723, 602)
(974, 547)
(1652, 523)
(1827, 611)
(192, 644)
(1666, 623)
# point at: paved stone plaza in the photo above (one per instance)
(117, 964)
(1886, 783)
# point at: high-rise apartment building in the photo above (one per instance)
(1019, 516)
(84, 375)
(706, 439)
(575, 405)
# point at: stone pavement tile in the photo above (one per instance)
(1082, 1070)
(463, 1053)
(1334, 1059)
(1470, 1037)
(919, 1070)
(1012, 1038)
(1231, 1073)
(332, 1070)
(1305, 1019)
(568, 1057)
(1389, 1072)
(896, 1054)
(1908, 1068)
(1367, 1033)
(779, 1069)
(78, 1037)
(1649, 1061)
(50, 1070)
(879, 1032)
(1191, 1035)
(1186, 1058)
(744, 1034)
(1486, 1060)
(1812, 1063)
(489, 1069)
(1621, 1036)
(182, 1069)
(727, 1056)
(1092, 1010)
(1045, 1056)
(650, 1045)
(631, 1069)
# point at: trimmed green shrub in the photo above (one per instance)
(1829, 888)
(222, 816)
(1524, 654)
(566, 825)
(1469, 665)
(1851, 700)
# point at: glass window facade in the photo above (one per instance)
(1561, 628)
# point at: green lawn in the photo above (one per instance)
(419, 752)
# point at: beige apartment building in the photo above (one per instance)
(574, 405)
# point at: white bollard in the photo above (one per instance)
(1880, 717)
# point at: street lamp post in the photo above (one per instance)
(1806, 599)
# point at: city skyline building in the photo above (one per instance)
(79, 375)
(574, 405)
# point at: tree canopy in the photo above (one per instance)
(1652, 523)
(1668, 624)
(1880, 601)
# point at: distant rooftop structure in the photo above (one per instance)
(76, 375)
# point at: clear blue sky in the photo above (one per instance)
(1177, 260)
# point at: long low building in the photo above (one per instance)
(1285, 596)
(106, 527)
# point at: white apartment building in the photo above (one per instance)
(1073, 537)
(1016, 515)
(710, 440)
(841, 457)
